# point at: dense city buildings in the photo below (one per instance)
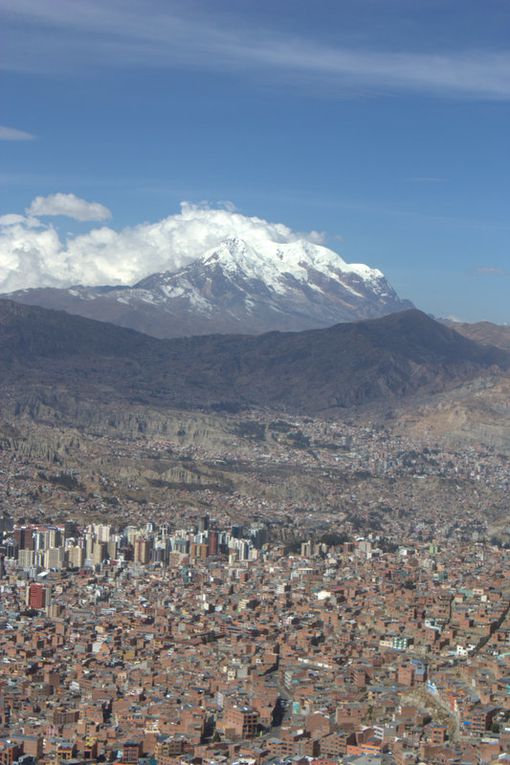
(211, 644)
(340, 594)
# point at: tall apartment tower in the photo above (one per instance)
(143, 549)
(36, 596)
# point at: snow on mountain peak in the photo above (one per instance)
(243, 284)
(271, 262)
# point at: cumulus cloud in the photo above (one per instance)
(33, 254)
(69, 205)
(11, 219)
(13, 134)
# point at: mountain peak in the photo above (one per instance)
(272, 262)
(240, 285)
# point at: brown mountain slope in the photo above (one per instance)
(484, 332)
(477, 413)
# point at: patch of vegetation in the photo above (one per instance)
(280, 426)
(298, 439)
(255, 431)
(64, 480)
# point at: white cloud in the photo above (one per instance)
(69, 205)
(33, 254)
(13, 134)
(11, 219)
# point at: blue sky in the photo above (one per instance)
(384, 124)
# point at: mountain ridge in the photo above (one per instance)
(484, 332)
(236, 287)
(378, 361)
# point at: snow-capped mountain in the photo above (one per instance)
(236, 287)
